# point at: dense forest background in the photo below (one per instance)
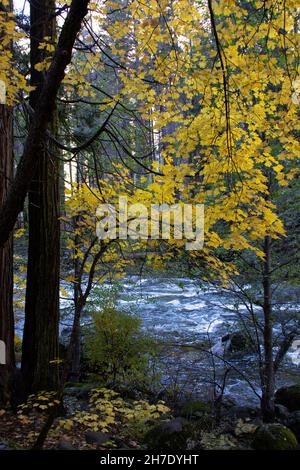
(161, 102)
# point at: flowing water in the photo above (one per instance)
(190, 320)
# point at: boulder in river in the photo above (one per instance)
(232, 343)
(289, 396)
(236, 341)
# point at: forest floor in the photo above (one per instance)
(188, 426)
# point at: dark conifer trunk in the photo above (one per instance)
(6, 259)
(40, 344)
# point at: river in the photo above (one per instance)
(185, 317)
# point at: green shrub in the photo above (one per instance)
(195, 409)
(115, 346)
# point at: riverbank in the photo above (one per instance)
(103, 419)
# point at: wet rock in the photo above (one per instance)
(274, 437)
(72, 391)
(174, 425)
(235, 342)
(84, 393)
(282, 413)
(64, 445)
(80, 391)
(94, 437)
(4, 446)
(169, 435)
(289, 397)
(294, 423)
(245, 428)
(121, 444)
(84, 406)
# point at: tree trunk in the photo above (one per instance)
(33, 147)
(268, 386)
(40, 344)
(6, 260)
(7, 359)
(76, 352)
(78, 303)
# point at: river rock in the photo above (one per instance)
(4, 446)
(282, 413)
(235, 342)
(294, 423)
(274, 437)
(94, 437)
(64, 445)
(79, 390)
(289, 397)
(169, 435)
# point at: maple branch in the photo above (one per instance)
(224, 74)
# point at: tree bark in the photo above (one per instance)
(268, 386)
(6, 259)
(76, 353)
(40, 342)
(43, 114)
